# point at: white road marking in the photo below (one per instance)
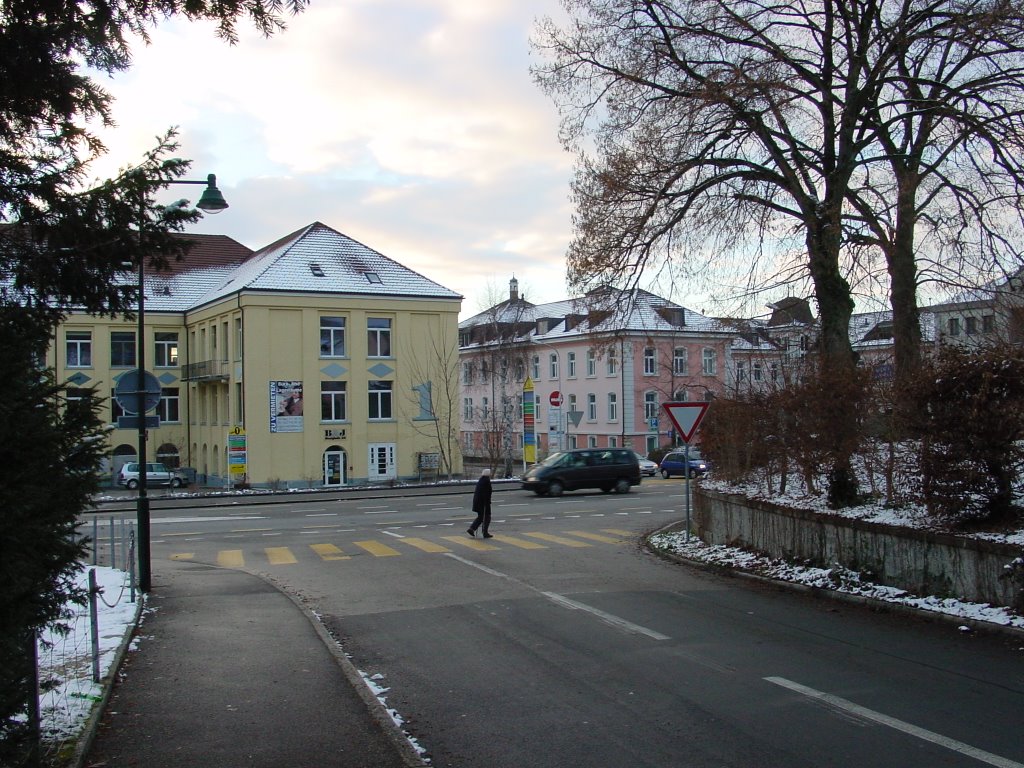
(876, 717)
(566, 602)
(323, 514)
(392, 533)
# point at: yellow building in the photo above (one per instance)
(313, 362)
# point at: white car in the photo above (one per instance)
(156, 474)
(647, 467)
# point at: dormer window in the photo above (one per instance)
(316, 269)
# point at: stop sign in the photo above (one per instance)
(555, 398)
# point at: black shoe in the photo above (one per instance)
(471, 532)
(488, 536)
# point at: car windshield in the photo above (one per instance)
(554, 459)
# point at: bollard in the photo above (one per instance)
(113, 550)
(95, 540)
(131, 565)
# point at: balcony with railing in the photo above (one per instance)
(207, 370)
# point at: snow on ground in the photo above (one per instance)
(68, 692)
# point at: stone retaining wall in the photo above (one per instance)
(921, 562)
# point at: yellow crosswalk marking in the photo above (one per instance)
(521, 543)
(230, 558)
(557, 539)
(280, 556)
(183, 556)
(376, 549)
(618, 531)
(479, 546)
(595, 537)
(426, 546)
(329, 552)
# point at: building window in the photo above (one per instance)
(613, 362)
(168, 409)
(467, 409)
(553, 366)
(710, 362)
(970, 325)
(378, 337)
(741, 371)
(773, 371)
(680, 396)
(650, 367)
(238, 338)
(613, 406)
(679, 363)
(485, 408)
(380, 400)
(591, 441)
(573, 442)
(613, 442)
(122, 349)
(591, 407)
(591, 363)
(332, 337)
(570, 361)
(333, 401)
(467, 373)
(758, 372)
(954, 326)
(988, 323)
(650, 405)
(535, 366)
(166, 353)
(520, 369)
(78, 349)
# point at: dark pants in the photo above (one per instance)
(483, 517)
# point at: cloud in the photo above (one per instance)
(410, 125)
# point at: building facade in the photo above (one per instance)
(596, 371)
(313, 362)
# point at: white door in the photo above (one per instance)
(334, 467)
(381, 462)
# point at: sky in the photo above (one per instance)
(412, 126)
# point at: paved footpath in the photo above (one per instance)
(231, 672)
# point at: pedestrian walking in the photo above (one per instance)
(482, 505)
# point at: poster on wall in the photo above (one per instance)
(286, 406)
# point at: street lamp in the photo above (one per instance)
(211, 201)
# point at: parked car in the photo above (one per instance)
(674, 463)
(647, 467)
(604, 468)
(156, 474)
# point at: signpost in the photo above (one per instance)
(686, 417)
(555, 399)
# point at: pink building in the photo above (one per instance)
(598, 367)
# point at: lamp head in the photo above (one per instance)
(212, 201)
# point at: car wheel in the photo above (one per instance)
(665, 474)
(132, 485)
(539, 491)
(555, 488)
(622, 485)
(175, 482)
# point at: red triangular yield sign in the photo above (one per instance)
(686, 417)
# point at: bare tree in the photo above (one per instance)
(434, 399)
(717, 126)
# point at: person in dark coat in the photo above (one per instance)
(482, 505)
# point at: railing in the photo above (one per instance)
(207, 370)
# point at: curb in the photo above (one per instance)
(92, 724)
(986, 627)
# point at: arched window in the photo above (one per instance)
(168, 455)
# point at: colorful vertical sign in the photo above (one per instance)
(286, 406)
(529, 423)
(237, 458)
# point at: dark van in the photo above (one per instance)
(604, 468)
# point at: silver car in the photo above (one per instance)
(647, 467)
(156, 474)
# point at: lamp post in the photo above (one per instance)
(211, 201)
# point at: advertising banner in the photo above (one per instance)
(286, 406)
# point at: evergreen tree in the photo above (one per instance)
(64, 246)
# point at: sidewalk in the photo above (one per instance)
(229, 672)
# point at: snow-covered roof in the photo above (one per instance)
(606, 312)
(315, 259)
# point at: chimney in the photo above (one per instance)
(513, 290)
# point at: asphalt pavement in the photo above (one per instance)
(231, 672)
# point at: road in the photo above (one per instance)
(560, 642)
